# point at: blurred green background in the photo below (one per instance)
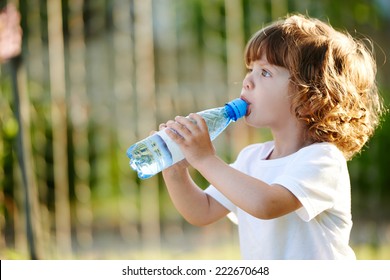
(97, 76)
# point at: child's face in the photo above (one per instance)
(265, 88)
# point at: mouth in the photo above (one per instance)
(248, 110)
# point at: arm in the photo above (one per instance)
(250, 194)
(197, 207)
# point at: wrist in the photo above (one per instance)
(206, 163)
(177, 169)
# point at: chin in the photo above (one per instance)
(249, 121)
(253, 123)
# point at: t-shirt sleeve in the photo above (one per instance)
(314, 179)
(218, 196)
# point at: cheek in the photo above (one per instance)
(274, 103)
(270, 109)
(277, 97)
(270, 104)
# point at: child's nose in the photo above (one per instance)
(247, 84)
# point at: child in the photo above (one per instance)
(315, 89)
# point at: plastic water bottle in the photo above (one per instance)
(158, 151)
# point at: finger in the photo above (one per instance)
(179, 128)
(174, 135)
(198, 120)
(189, 123)
(162, 126)
(152, 132)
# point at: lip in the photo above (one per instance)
(248, 110)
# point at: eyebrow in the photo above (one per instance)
(266, 64)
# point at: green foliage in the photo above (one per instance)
(370, 177)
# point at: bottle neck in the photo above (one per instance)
(230, 112)
(236, 108)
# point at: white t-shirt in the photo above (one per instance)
(318, 176)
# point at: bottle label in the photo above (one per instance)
(176, 153)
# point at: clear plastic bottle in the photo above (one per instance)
(158, 151)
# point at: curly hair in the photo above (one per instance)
(332, 84)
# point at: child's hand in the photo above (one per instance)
(183, 164)
(192, 136)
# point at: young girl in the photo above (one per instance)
(315, 89)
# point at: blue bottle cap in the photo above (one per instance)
(239, 107)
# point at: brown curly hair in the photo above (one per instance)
(332, 84)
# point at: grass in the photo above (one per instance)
(369, 252)
(218, 252)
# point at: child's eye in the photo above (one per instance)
(265, 73)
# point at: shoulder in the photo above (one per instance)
(318, 152)
(320, 160)
(318, 176)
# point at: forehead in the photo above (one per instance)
(269, 43)
(262, 60)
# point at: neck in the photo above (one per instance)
(288, 141)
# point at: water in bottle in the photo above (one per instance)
(158, 151)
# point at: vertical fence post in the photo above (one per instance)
(59, 126)
(36, 70)
(79, 117)
(168, 96)
(235, 44)
(146, 104)
(124, 111)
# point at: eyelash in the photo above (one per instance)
(264, 72)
